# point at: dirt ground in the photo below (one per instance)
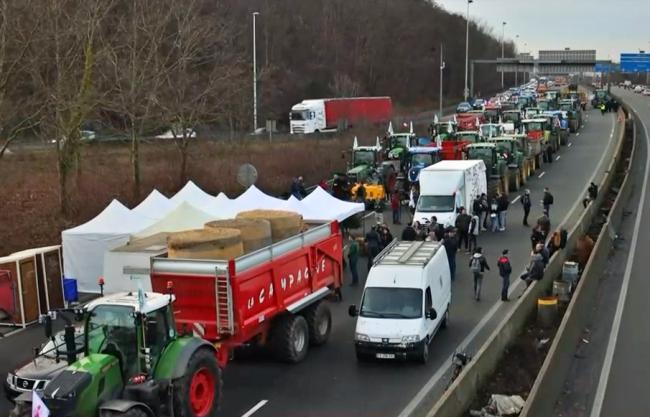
(29, 193)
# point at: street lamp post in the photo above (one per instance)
(466, 91)
(503, 38)
(254, 74)
(517, 64)
(442, 67)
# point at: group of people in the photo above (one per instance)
(610, 105)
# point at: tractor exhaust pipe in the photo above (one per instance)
(70, 345)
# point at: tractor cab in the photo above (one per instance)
(511, 120)
(534, 128)
(453, 146)
(492, 113)
(419, 158)
(486, 151)
(365, 160)
(490, 130)
(507, 149)
(134, 364)
(544, 105)
(396, 148)
(531, 112)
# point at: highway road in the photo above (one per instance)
(623, 384)
(330, 382)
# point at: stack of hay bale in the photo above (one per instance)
(231, 238)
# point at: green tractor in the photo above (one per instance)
(365, 160)
(572, 109)
(135, 364)
(496, 167)
(519, 167)
(396, 150)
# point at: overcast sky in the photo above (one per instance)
(609, 26)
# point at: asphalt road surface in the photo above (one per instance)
(330, 382)
(623, 383)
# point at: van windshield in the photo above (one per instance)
(435, 203)
(392, 303)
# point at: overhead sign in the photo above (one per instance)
(635, 62)
(605, 67)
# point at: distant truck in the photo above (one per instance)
(447, 186)
(317, 115)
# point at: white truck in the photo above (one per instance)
(325, 114)
(447, 186)
(405, 301)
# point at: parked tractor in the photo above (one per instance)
(600, 97)
(420, 158)
(492, 113)
(365, 161)
(491, 130)
(496, 167)
(512, 120)
(572, 109)
(135, 364)
(396, 149)
(510, 150)
(534, 131)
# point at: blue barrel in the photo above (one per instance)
(70, 290)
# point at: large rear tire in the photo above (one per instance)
(198, 392)
(290, 338)
(133, 412)
(319, 321)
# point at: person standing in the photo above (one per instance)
(478, 265)
(547, 202)
(526, 204)
(472, 232)
(505, 269)
(373, 242)
(409, 234)
(413, 200)
(502, 209)
(494, 215)
(394, 205)
(462, 225)
(353, 258)
(485, 211)
(451, 246)
(592, 194)
(361, 193)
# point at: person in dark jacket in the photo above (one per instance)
(485, 211)
(537, 236)
(437, 229)
(547, 202)
(478, 264)
(394, 206)
(361, 193)
(505, 269)
(409, 233)
(462, 225)
(592, 193)
(502, 210)
(373, 243)
(535, 269)
(542, 250)
(353, 258)
(451, 246)
(526, 204)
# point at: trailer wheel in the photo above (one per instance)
(319, 321)
(290, 338)
(198, 392)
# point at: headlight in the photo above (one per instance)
(361, 337)
(10, 379)
(410, 339)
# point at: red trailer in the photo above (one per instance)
(470, 120)
(357, 109)
(274, 296)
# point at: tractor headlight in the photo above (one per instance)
(361, 337)
(10, 379)
(411, 338)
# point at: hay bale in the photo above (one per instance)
(255, 233)
(205, 244)
(284, 224)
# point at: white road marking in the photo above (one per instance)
(558, 158)
(419, 397)
(515, 200)
(569, 145)
(256, 407)
(620, 306)
(542, 174)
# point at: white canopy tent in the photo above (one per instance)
(320, 205)
(221, 207)
(155, 206)
(253, 199)
(84, 246)
(183, 217)
(193, 195)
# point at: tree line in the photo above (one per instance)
(140, 66)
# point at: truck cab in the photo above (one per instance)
(419, 158)
(307, 116)
(405, 302)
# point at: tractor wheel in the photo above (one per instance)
(290, 338)
(319, 321)
(493, 188)
(523, 173)
(133, 412)
(198, 392)
(515, 180)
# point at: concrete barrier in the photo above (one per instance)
(459, 396)
(550, 380)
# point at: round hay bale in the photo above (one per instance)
(205, 244)
(284, 224)
(255, 233)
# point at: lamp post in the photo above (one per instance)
(503, 38)
(442, 67)
(466, 91)
(517, 63)
(254, 75)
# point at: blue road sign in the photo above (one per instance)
(635, 62)
(603, 67)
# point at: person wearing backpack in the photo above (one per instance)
(505, 269)
(547, 202)
(478, 265)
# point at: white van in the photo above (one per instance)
(405, 301)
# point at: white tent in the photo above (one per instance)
(221, 207)
(193, 195)
(253, 199)
(155, 206)
(183, 217)
(84, 246)
(320, 205)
